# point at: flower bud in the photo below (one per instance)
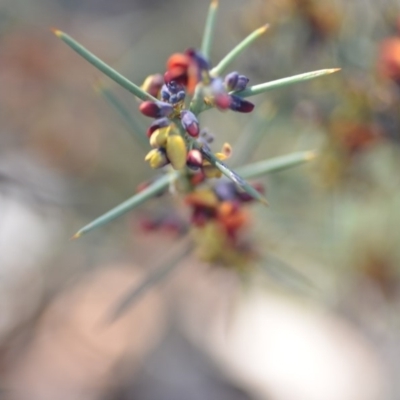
(152, 84)
(157, 158)
(181, 95)
(231, 80)
(222, 100)
(194, 159)
(176, 151)
(240, 105)
(155, 109)
(165, 93)
(157, 124)
(190, 123)
(241, 83)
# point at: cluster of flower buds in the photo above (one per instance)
(221, 204)
(170, 145)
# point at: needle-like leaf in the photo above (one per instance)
(233, 176)
(128, 205)
(103, 67)
(264, 87)
(134, 127)
(209, 29)
(275, 164)
(235, 52)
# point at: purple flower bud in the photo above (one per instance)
(190, 123)
(221, 98)
(181, 95)
(155, 109)
(225, 190)
(194, 159)
(157, 124)
(165, 94)
(241, 83)
(240, 105)
(231, 80)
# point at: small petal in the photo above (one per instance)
(157, 124)
(240, 105)
(190, 123)
(155, 109)
(176, 151)
(227, 150)
(159, 137)
(157, 158)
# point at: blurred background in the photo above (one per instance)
(66, 157)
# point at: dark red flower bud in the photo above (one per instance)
(240, 105)
(155, 109)
(190, 123)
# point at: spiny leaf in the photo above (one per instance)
(227, 60)
(209, 29)
(103, 67)
(170, 262)
(233, 176)
(264, 87)
(128, 205)
(134, 127)
(275, 164)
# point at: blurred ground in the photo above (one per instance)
(66, 157)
